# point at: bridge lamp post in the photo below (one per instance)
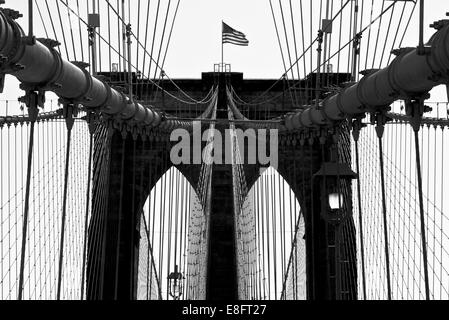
(336, 207)
(175, 284)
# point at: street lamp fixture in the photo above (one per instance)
(335, 201)
(175, 284)
(334, 205)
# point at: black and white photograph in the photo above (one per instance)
(224, 158)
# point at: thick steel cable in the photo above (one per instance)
(98, 179)
(64, 207)
(421, 210)
(26, 210)
(86, 221)
(359, 201)
(384, 214)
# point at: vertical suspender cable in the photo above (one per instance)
(86, 220)
(267, 213)
(30, 18)
(68, 110)
(421, 26)
(379, 130)
(417, 108)
(356, 134)
(421, 211)
(274, 226)
(33, 112)
(162, 217)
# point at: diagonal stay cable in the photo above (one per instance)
(121, 55)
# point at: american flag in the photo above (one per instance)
(233, 36)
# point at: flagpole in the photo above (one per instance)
(222, 47)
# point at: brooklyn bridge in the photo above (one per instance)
(324, 182)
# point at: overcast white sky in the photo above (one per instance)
(196, 42)
(198, 36)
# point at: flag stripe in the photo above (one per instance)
(238, 33)
(236, 43)
(235, 36)
(230, 35)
